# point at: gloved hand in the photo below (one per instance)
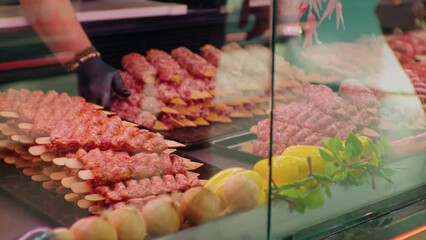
(95, 81)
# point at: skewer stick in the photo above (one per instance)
(47, 157)
(174, 144)
(5, 143)
(108, 113)
(9, 131)
(62, 190)
(49, 185)
(193, 165)
(73, 163)
(129, 124)
(26, 156)
(193, 174)
(48, 170)
(58, 176)
(37, 150)
(37, 160)
(20, 163)
(25, 139)
(25, 126)
(85, 175)
(10, 159)
(15, 138)
(84, 204)
(31, 171)
(96, 106)
(43, 140)
(253, 129)
(68, 181)
(9, 114)
(169, 151)
(40, 178)
(96, 210)
(46, 140)
(21, 149)
(72, 197)
(94, 197)
(80, 187)
(60, 161)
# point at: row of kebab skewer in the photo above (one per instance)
(74, 148)
(184, 89)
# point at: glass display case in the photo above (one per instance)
(252, 119)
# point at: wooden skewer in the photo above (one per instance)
(9, 131)
(58, 176)
(95, 210)
(48, 170)
(47, 157)
(169, 110)
(160, 126)
(108, 113)
(73, 163)
(72, 197)
(46, 140)
(84, 204)
(129, 124)
(81, 187)
(40, 178)
(68, 181)
(25, 126)
(25, 139)
(86, 175)
(62, 190)
(7, 114)
(193, 174)
(201, 122)
(178, 101)
(15, 138)
(94, 197)
(60, 161)
(21, 149)
(97, 107)
(5, 143)
(174, 144)
(10, 159)
(253, 129)
(31, 171)
(43, 140)
(169, 151)
(37, 160)
(49, 185)
(37, 150)
(20, 164)
(26, 156)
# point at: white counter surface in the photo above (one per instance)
(12, 16)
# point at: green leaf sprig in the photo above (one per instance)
(350, 162)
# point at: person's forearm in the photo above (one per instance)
(57, 24)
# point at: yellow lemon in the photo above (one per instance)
(216, 183)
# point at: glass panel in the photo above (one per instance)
(348, 144)
(199, 75)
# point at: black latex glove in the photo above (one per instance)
(95, 81)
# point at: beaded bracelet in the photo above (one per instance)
(81, 58)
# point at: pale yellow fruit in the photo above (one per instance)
(240, 193)
(93, 228)
(199, 205)
(128, 222)
(161, 217)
